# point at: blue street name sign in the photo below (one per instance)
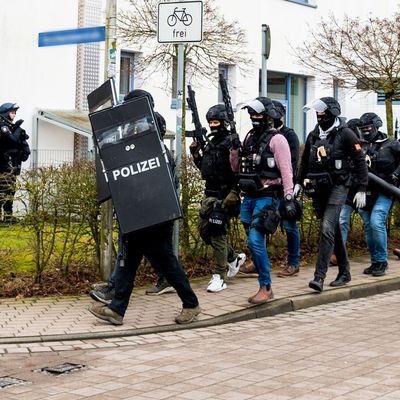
(72, 36)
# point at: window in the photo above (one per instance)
(381, 97)
(290, 90)
(126, 74)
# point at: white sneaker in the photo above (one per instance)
(216, 284)
(235, 265)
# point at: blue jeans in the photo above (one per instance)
(293, 242)
(345, 215)
(375, 228)
(250, 207)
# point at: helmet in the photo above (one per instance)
(370, 123)
(6, 108)
(262, 105)
(324, 104)
(139, 93)
(354, 124)
(162, 126)
(217, 113)
(279, 107)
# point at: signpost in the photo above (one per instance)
(179, 22)
(72, 36)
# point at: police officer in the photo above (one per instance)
(156, 244)
(265, 176)
(14, 149)
(383, 159)
(332, 153)
(221, 199)
(290, 226)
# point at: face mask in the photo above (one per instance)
(218, 130)
(370, 134)
(325, 121)
(258, 124)
(277, 123)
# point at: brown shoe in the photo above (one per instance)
(187, 315)
(262, 296)
(105, 313)
(248, 270)
(288, 271)
(333, 260)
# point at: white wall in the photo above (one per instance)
(32, 76)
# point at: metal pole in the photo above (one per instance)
(263, 61)
(178, 137)
(106, 209)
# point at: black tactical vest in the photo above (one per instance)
(381, 160)
(328, 158)
(257, 157)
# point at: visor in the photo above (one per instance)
(316, 105)
(255, 105)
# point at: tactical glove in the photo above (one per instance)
(297, 190)
(194, 149)
(235, 141)
(395, 179)
(360, 199)
(231, 199)
(290, 208)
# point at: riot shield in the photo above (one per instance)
(139, 176)
(103, 97)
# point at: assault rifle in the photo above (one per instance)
(228, 105)
(384, 187)
(199, 133)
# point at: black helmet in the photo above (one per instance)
(354, 124)
(370, 123)
(327, 105)
(139, 93)
(262, 105)
(217, 113)
(279, 107)
(6, 108)
(162, 126)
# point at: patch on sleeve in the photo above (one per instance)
(357, 146)
(4, 129)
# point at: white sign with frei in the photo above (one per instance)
(180, 22)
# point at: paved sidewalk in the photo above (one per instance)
(34, 320)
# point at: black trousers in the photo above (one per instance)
(7, 192)
(330, 234)
(156, 245)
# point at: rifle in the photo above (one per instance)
(228, 105)
(199, 133)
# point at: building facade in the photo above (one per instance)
(51, 83)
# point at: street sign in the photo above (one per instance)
(180, 22)
(72, 36)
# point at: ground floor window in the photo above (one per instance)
(290, 90)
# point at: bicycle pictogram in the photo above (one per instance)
(179, 15)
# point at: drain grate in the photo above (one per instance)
(6, 381)
(62, 368)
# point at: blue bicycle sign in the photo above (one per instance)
(179, 15)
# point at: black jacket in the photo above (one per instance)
(346, 143)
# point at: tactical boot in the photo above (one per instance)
(370, 269)
(317, 284)
(341, 280)
(380, 269)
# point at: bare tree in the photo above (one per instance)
(223, 42)
(362, 55)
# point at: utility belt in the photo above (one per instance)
(316, 183)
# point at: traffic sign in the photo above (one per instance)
(72, 36)
(180, 22)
